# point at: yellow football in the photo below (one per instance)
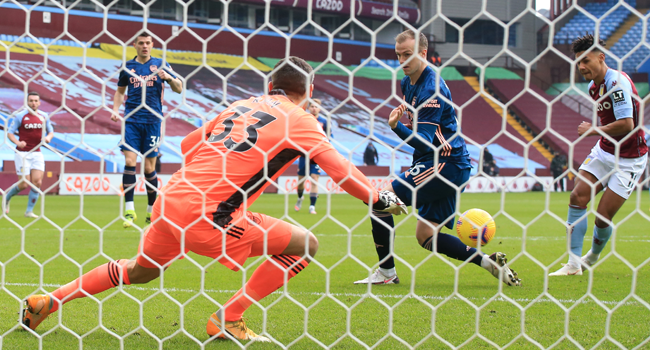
(475, 225)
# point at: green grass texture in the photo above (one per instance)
(439, 304)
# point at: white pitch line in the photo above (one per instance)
(356, 295)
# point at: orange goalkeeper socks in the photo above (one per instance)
(266, 279)
(101, 278)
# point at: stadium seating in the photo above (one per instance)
(205, 96)
(49, 41)
(481, 123)
(628, 43)
(563, 120)
(581, 23)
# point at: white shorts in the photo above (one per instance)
(26, 162)
(621, 181)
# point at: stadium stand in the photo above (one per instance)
(481, 123)
(483, 129)
(628, 43)
(581, 23)
(205, 95)
(562, 120)
(407, 3)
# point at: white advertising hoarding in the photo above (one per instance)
(106, 184)
(111, 184)
(287, 184)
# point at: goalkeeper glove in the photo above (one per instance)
(388, 202)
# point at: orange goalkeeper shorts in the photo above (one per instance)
(243, 238)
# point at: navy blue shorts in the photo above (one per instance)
(435, 200)
(141, 138)
(314, 169)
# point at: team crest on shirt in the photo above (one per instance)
(415, 99)
(153, 68)
(602, 90)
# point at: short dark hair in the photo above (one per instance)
(423, 42)
(33, 93)
(144, 33)
(585, 43)
(293, 75)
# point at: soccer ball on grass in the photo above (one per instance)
(475, 225)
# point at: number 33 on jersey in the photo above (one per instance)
(263, 119)
(251, 140)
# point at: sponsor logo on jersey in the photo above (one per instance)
(604, 105)
(143, 79)
(33, 126)
(432, 104)
(618, 97)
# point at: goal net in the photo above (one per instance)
(518, 96)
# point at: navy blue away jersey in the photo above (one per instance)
(436, 121)
(135, 76)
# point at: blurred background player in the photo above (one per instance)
(370, 155)
(314, 169)
(275, 125)
(618, 111)
(490, 167)
(436, 124)
(558, 167)
(142, 126)
(30, 125)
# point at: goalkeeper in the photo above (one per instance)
(430, 184)
(203, 208)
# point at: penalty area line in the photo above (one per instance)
(356, 295)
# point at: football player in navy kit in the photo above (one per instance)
(145, 77)
(426, 184)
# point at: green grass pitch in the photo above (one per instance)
(432, 307)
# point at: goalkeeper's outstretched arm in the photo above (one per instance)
(346, 175)
(355, 183)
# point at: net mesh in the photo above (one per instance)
(455, 318)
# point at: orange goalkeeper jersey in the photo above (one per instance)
(248, 144)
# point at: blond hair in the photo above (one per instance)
(423, 43)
